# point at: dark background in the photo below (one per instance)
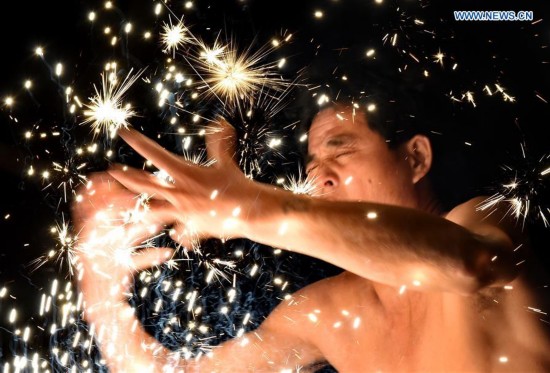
(516, 54)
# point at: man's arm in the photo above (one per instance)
(388, 244)
(392, 245)
(280, 343)
(285, 341)
(112, 224)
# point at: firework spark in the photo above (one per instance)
(70, 176)
(106, 111)
(523, 193)
(212, 55)
(300, 185)
(64, 252)
(198, 158)
(174, 36)
(438, 57)
(233, 76)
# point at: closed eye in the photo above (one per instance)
(339, 155)
(336, 156)
(310, 169)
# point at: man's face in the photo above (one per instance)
(349, 161)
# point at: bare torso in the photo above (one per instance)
(363, 327)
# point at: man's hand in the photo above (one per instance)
(114, 225)
(211, 201)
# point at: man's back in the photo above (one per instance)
(360, 326)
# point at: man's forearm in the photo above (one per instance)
(388, 244)
(123, 343)
(128, 348)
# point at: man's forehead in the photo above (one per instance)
(337, 139)
(334, 116)
(333, 125)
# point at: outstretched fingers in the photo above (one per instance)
(139, 181)
(221, 142)
(150, 150)
(150, 257)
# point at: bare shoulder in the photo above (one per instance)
(489, 217)
(312, 304)
(295, 335)
(335, 290)
(325, 314)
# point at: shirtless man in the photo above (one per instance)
(422, 290)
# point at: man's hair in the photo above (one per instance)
(402, 103)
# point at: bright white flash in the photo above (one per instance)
(173, 36)
(301, 185)
(106, 110)
(231, 75)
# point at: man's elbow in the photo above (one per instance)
(491, 264)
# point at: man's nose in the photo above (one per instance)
(326, 178)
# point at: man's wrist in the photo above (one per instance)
(260, 210)
(272, 210)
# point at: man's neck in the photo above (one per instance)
(427, 201)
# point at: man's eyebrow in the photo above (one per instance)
(335, 142)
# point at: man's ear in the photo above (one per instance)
(418, 152)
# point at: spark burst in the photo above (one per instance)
(174, 36)
(438, 57)
(256, 135)
(106, 111)
(65, 253)
(211, 55)
(232, 76)
(524, 194)
(302, 185)
(198, 158)
(70, 176)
